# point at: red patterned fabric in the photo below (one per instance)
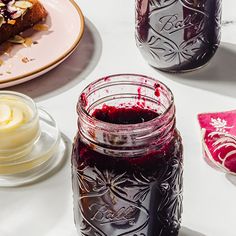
(219, 139)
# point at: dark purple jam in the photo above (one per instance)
(178, 35)
(123, 115)
(129, 196)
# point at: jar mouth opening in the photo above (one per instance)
(145, 81)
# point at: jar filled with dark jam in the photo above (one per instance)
(178, 35)
(127, 161)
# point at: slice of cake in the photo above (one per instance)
(17, 16)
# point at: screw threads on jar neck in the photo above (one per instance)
(126, 91)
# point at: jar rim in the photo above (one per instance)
(136, 126)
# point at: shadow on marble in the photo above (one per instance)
(226, 23)
(218, 76)
(231, 178)
(72, 71)
(188, 232)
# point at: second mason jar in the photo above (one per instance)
(178, 35)
(127, 159)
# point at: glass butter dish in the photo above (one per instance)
(30, 141)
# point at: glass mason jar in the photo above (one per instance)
(178, 35)
(127, 159)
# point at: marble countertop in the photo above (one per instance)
(45, 208)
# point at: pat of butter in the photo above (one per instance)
(19, 125)
(13, 114)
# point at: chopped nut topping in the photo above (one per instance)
(41, 27)
(13, 9)
(17, 39)
(1, 20)
(25, 60)
(23, 4)
(28, 42)
(11, 22)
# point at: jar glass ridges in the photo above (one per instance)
(127, 178)
(178, 35)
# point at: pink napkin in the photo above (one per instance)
(219, 139)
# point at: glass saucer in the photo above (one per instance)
(47, 154)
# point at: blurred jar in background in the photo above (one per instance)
(178, 35)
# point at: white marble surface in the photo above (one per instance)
(108, 47)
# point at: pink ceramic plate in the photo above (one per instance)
(50, 48)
